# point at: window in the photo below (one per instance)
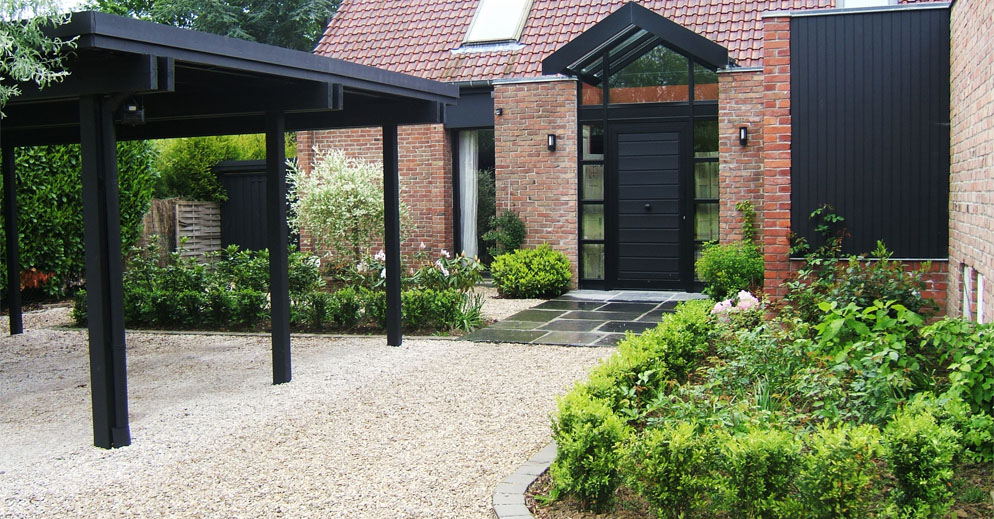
(661, 75)
(498, 21)
(705, 183)
(592, 202)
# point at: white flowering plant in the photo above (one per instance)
(339, 202)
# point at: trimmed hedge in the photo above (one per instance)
(50, 210)
(531, 273)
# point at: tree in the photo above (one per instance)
(27, 54)
(294, 24)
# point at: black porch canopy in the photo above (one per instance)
(132, 79)
(627, 34)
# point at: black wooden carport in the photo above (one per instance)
(138, 80)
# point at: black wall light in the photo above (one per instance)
(552, 142)
(499, 111)
(743, 135)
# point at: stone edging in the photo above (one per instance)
(509, 496)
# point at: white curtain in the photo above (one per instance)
(468, 152)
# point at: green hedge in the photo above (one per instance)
(230, 291)
(703, 416)
(525, 273)
(50, 209)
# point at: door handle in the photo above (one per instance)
(648, 207)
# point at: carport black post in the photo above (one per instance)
(10, 231)
(279, 284)
(102, 237)
(391, 234)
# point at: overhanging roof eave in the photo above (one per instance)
(114, 33)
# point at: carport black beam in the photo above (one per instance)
(391, 231)
(102, 236)
(279, 291)
(10, 232)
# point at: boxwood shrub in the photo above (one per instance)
(526, 273)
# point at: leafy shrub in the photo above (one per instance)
(423, 309)
(669, 467)
(967, 350)
(587, 433)
(862, 279)
(340, 203)
(680, 340)
(507, 233)
(838, 475)
(49, 204)
(78, 312)
(760, 467)
(460, 273)
(920, 453)
(730, 267)
(186, 165)
(344, 311)
(540, 272)
(877, 352)
(976, 429)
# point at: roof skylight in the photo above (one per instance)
(498, 21)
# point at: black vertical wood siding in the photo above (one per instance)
(870, 116)
(243, 214)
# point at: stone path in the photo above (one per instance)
(584, 318)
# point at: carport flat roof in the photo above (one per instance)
(224, 84)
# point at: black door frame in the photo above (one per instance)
(612, 203)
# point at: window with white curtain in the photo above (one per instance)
(468, 191)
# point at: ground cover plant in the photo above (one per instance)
(849, 408)
(229, 290)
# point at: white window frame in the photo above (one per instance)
(478, 33)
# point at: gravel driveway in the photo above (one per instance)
(363, 431)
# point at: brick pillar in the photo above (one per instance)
(740, 170)
(776, 152)
(540, 185)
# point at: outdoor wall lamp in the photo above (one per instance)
(743, 135)
(499, 111)
(552, 142)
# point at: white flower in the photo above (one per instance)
(361, 267)
(422, 246)
(445, 272)
(446, 253)
(383, 274)
(380, 256)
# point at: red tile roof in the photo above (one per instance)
(418, 36)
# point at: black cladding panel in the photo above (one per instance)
(870, 117)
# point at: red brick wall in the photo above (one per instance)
(540, 185)
(740, 173)
(776, 152)
(425, 175)
(971, 179)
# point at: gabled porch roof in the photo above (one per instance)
(629, 32)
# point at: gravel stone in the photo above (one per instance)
(364, 430)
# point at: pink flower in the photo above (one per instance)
(747, 301)
(446, 253)
(722, 307)
(380, 256)
(422, 246)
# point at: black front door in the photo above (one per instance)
(650, 242)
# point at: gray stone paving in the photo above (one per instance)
(584, 318)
